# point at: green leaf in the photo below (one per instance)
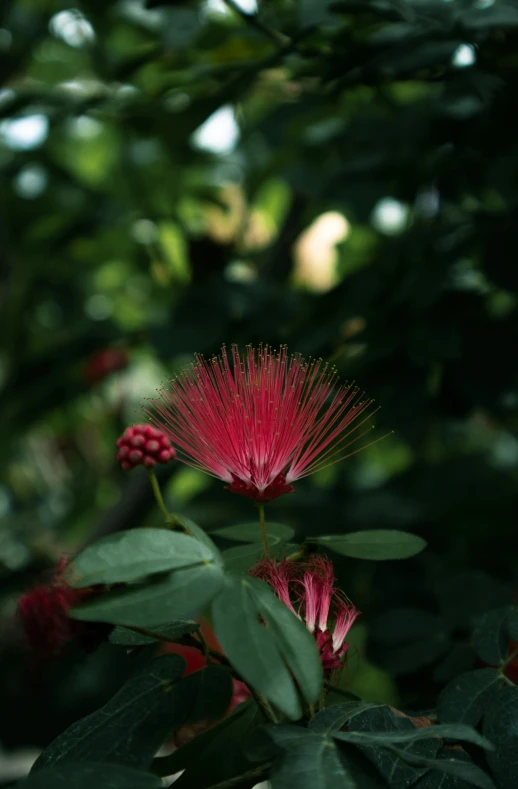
(490, 638)
(241, 558)
(250, 532)
(377, 544)
(501, 727)
(295, 643)
(397, 772)
(192, 529)
(466, 771)
(88, 774)
(135, 554)
(310, 761)
(466, 697)
(131, 727)
(215, 755)
(171, 631)
(432, 780)
(181, 594)
(335, 717)
(251, 647)
(452, 731)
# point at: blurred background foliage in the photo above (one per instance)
(337, 176)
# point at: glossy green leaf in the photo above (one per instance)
(465, 698)
(131, 727)
(335, 717)
(183, 593)
(396, 771)
(251, 647)
(86, 775)
(452, 731)
(193, 530)
(466, 771)
(135, 554)
(441, 780)
(171, 631)
(250, 532)
(490, 638)
(310, 761)
(501, 727)
(376, 544)
(295, 643)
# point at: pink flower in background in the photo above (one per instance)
(260, 422)
(307, 589)
(143, 445)
(44, 615)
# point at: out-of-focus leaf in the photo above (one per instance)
(377, 544)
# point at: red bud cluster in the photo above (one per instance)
(143, 445)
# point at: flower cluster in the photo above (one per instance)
(262, 422)
(143, 445)
(307, 589)
(44, 615)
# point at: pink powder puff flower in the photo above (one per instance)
(307, 589)
(260, 422)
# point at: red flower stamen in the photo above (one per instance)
(262, 422)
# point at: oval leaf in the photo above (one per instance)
(465, 698)
(376, 544)
(294, 641)
(169, 632)
(135, 554)
(250, 532)
(251, 647)
(490, 638)
(182, 594)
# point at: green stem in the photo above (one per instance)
(158, 494)
(263, 530)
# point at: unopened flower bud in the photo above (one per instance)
(143, 445)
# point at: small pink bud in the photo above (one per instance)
(148, 461)
(152, 446)
(135, 456)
